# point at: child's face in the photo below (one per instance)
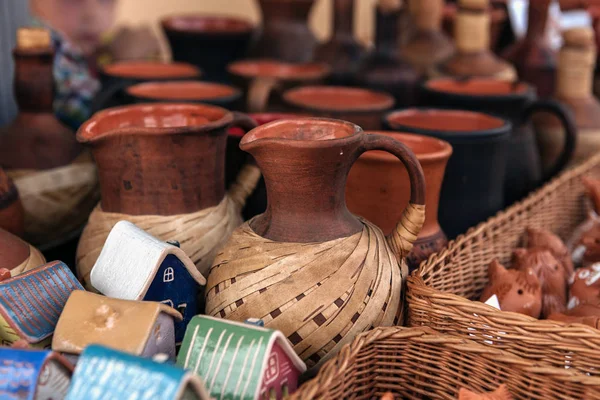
(83, 22)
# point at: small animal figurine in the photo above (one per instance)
(517, 290)
(31, 303)
(273, 373)
(585, 286)
(134, 265)
(33, 374)
(142, 328)
(501, 393)
(587, 314)
(104, 373)
(543, 238)
(550, 272)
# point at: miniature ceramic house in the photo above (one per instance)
(134, 265)
(104, 373)
(142, 328)
(33, 374)
(253, 362)
(31, 303)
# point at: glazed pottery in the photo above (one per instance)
(185, 91)
(307, 266)
(549, 241)
(518, 104)
(285, 34)
(585, 286)
(209, 42)
(363, 107)
(575, 72)
(551, 273)
(11, 209)
(384, 69)
(517, 290)
(532, 55)
(427, 45)
(473, 57)
(117, 77)
(161, 166)
(16, 255)
(473, 187)
(379, 186)
(261, 78)
(342, 52)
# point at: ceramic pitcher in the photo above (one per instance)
(161, 166)
(307, 266)
(516, 102)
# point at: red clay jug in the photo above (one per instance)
(307, 266)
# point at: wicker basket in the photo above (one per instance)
(439, 291)
(416, 363)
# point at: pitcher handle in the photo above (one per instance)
(567, 121)
(407, 230)
(249, 176)
(259, 92)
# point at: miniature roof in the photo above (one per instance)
(32, 302)
(89, 318)
(20, 370)
(208, 338)
(103, 373)
(129, 261)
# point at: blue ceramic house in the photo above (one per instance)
(33, 374)
(103, 373)
(134, 265)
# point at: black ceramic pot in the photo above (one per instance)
(516, 102)
(473, 187)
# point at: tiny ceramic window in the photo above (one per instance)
(169, 275)
(272, 371)
(168, 302)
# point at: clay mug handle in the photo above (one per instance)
(259, 92)
(249, 175)
(407, 230)
(570, 129)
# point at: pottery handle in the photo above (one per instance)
(407, 230)
(258, 94)
(570, 129)
(249, 176)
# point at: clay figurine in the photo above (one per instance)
(18, 256)
(545, 239)
(501, 393)
(134, 265)
(143, 328)
(104, 373)
(551, 273)
(273, 373)
(31, 303)
(11, 209)
(587, 314)
(585, 239)
(307, 266)
(585, 286)
(517, 291)
(33, 374)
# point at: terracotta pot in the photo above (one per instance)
(314, 263)
(261, 78)
(378, 189)
(427, 45)
(186, 91)
(193, 37)
(360, 106)
(574, 84)
(473, 57)
(518, 104)
(342, 52)
(285, 34)
(11, 209)
(384, 70)
(117, 77)
(473, 187)
(533, 57)
(16, 255)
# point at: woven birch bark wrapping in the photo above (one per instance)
(34, 260)
(320, 295)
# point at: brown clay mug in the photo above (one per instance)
(473, 187)
(362, 107)
(518, 103)
(261, 77)
(378, 189)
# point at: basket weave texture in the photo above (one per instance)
(439, 292)
(417, 363)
